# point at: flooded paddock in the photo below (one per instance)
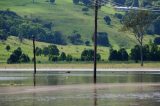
(73, 88)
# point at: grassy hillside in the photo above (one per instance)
(26, 47)
(68, 17)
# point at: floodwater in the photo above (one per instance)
(76, 89)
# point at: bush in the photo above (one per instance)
(107, 20)
(85, 9)
(24, 58)
(113, 54)
(8, 47)
(75, 39)
(118, 15)
(123, 55)
(59, 38)
(88, 55)
(45, 51)
(53, 50)
(120, 55)
(102, 39)
(38, 51)
(157, 41)
(53, 58)
(76, 1)
(18, 57)
(52, 1)
(63, 56)
(3, 35)
(69, 58)
(87, 43)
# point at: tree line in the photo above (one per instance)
(53, 54)
(151, 52)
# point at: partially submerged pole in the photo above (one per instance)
(95, 41)
(34, 59)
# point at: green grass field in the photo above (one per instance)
(26, 47)
(82, 65)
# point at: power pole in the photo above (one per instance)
(95, 41)
(34, 59)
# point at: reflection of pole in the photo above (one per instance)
(95, 42)
(95, 96)
(34, 59)
(34, 99)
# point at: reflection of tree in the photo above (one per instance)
(53, 79)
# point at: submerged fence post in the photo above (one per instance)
(34, 59)
(95, 41)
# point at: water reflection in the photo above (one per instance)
(33, 99)
(95, 96)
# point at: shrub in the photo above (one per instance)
(157, 41)
(8, 47)
(102, 39)
(107, 20)
(88, 55)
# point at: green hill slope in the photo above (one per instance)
(68, 17)
(27, 48)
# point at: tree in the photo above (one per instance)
(15, 56)
(46, 51)
(69, 58)
(53, 58)
(75, 39)
(76, 1)
(3, 35)
(122, 2)
(88, 55)
(137, 22)
(102, 39)
(113, 54)
(157, 41)
(135, 3)
(8, 47)
(135, 54)
(107, 20)
(62, 56)
(156, 25)
(53, 50)
(24, 58)
(59, 38)
(154, 53)
(52, 1)
(122, 55)
(87, 43)
(38, 51)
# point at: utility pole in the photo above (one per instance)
(95, 41)
(34, 59)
